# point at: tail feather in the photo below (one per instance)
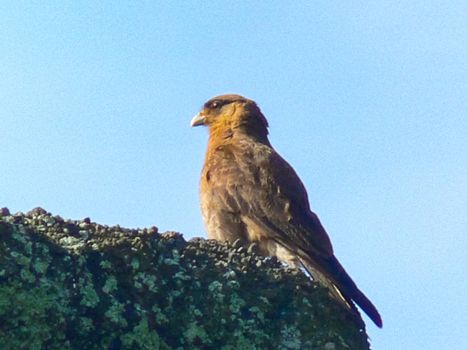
(332, 275)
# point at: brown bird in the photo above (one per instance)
(249, 192)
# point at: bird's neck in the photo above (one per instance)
(233, 134)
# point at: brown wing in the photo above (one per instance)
(252, 181)
(290, 210)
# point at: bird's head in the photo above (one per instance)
(231, 112)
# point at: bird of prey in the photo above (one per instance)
(248, 192)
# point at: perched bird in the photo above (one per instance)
(249, 192)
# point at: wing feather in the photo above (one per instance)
(259, 185)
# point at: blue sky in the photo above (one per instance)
(366, 100)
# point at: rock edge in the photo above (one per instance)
(76, 284)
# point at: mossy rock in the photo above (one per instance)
(67, 284)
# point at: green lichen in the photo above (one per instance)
(159, 315)
(143, 337)
(135, 263)
(79, 285)
(90, 298)
(291, 338)
(106, 265)
(115, 314)
(110, 285)
(40, 266)
(196, 333)
(236, 303)
(86, 324)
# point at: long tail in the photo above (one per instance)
(341, 286)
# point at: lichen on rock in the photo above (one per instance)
(75, 284)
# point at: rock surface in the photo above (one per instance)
(75, 284)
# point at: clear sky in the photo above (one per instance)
(367, 100)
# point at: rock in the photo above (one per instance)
(81, 285)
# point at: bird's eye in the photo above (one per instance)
(215, 104)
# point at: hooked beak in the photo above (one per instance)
(198, 119)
